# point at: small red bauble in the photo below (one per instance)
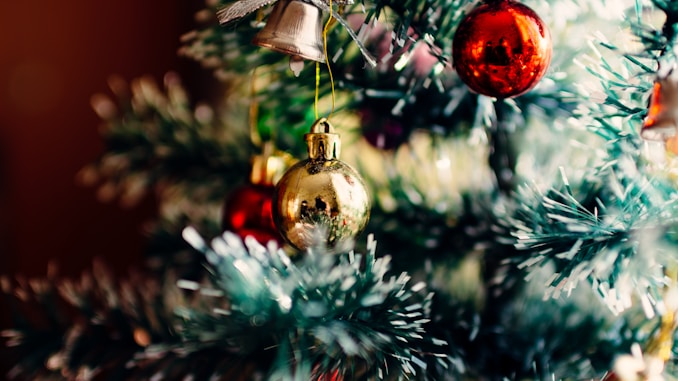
(501, 49)
(248, 212)
(334, 376)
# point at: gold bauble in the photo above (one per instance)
(321, 200)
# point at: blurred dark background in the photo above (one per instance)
(54, 55)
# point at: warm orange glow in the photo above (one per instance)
(672, 144)
(655, 106)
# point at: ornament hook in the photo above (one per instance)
(323, 143)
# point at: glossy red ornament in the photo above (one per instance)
(248, 212)
(248, 209)
(501, 49)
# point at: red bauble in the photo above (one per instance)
(334, 376)
(610, 376)
(248, 212)
(501, 49)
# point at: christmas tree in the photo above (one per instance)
(429, 190)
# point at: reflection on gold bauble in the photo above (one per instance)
(321, 200)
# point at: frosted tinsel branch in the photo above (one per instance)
(323, 314)
(598, 229)
(589, 238)
(100, 328)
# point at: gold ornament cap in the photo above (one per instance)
(268, 168)
(323, 143)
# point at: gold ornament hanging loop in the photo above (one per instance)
(322, 142)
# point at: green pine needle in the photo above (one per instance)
(338, 311)
(155, 137)
(595, 235)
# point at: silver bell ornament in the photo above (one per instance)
(321, 200)
(294, 27)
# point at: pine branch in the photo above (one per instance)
(530, 338)
(99, 328)
(405, 26)
(597, 235)
(342, 312)
(85, 328)
(155, 140)
(596, 230)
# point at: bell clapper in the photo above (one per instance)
(296, 64)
